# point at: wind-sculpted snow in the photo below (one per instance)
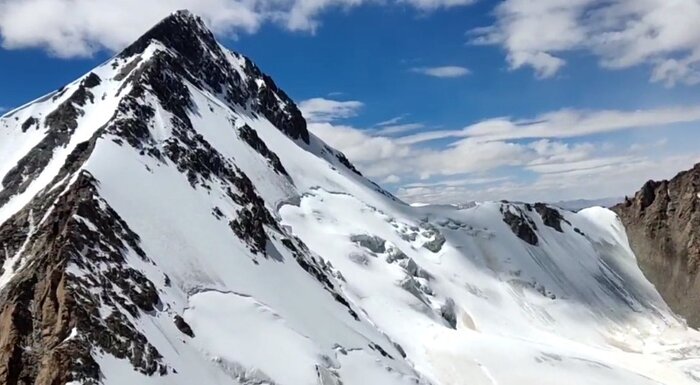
(167, 219)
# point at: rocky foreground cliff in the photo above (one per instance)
(663, 226)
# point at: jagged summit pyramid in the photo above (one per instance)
(168, 219)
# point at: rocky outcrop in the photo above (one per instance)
(520, 223)
(49, 317)
(60, 125)
(251, 137)
(203, 62)
(551, 217)
(663, 226)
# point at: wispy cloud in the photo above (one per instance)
(399, 128)
(616, 179)
(326, 110)
(442, 72)
(428, 5)
(392, 179)
(566, 123)
(392, 121)
(472, 181)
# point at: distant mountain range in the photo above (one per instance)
(580, 204)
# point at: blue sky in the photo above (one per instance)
(521, 101)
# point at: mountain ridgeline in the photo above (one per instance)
(168, 218)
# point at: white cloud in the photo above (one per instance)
(69, 28)
(580, 166)
(75, 28)
(451, 182)
(392, 121)
(429, 5)
(566, 123)
(303, 14)
(392, 179)
(617, 178)
(382, 156)
(573, 123)
(532, 159)
(394, 126)
(327, 110)
(622, 33)
(398, 128)
(442, 72)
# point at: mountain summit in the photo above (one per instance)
(168, 219)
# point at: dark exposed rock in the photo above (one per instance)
(92, 80)
(31, 121)
(183, 326)
(396, 254)
(288, 119)
(203, 62)
(370, 242)
(132, 121)
(411, 285)
(550, 216)
(413, 269)
(126, 70)
(400, 350)
(249, 226)
(359, 258)
(520, 223)
(663, 226)
(251, 137)
(318, 270)
(218, 214)
(345, 162)
(61, 124)
(448, 313)
(380, 350)
(437, 241)
(47, 298)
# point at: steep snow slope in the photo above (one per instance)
(168, 219)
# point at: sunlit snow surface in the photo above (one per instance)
(574, 309)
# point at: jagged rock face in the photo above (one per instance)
(520, 223)
(45, 302)
(663, 226)
(205, 64)
(168, 219)
(61, 124)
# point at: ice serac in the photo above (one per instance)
(663, 223)
(168, 219)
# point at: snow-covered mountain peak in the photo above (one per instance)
(168, 219)
(189, 49)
